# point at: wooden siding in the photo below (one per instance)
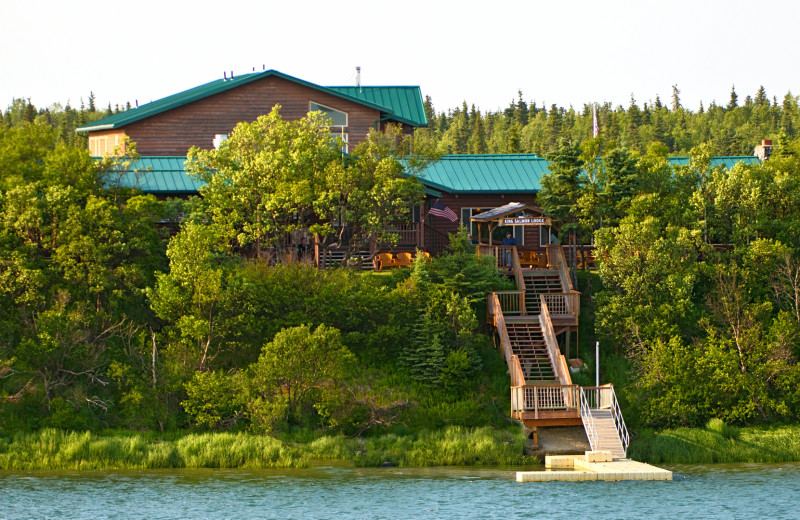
(103, 142)
(457, 202)
(175, 131)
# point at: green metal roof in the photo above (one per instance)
(727, 161)
(406, 102)
(463, 174)
(405, 111)
(489, 173)
(161, 176)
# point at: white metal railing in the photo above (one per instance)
(604, 397)
(588, 421)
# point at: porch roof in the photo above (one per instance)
(502, 211)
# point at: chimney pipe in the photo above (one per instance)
(358, 77)
(224, 75)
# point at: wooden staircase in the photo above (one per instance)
(536, 282)
(542, 393)
(528, 344)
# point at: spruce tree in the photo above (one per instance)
(761, 97)
(676, 98)
(734, 101)
(521, 113)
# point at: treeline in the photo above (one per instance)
(699, 271)
(64, 119)
(733, 128)
(106, 321)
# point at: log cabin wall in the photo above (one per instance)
(457, 202)
(195, 124)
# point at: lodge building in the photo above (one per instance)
(489, 194)
(165, 129)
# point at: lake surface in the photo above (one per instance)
(719, 491)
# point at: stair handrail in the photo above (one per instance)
(555, 256)
(588, 421)
(552, 345)
(499, 322)
(619, 421)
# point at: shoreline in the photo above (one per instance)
(449, 447)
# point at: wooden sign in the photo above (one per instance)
(526, 221)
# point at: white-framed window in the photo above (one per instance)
(345, 140)
(518, 232)
(337, 117)
(544, 233)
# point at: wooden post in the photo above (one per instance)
(316, 250)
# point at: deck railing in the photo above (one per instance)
(409, 233)
(505, 257)
(512, 303)
(604, 397)
(536, 398)
(561, 304)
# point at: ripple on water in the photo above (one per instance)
(719, 491)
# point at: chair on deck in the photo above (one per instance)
(528, 259)
(384, 260)
(404, 260)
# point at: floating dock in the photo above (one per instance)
(593, 465)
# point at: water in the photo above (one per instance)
(720, 491)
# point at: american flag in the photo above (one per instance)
(595, 127)
(440, 210)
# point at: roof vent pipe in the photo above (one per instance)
(358, 78)
(224, 75)
(231, 74)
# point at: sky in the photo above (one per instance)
(563, 52)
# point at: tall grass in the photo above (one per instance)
(718, 443)
(454, 446)
(55, 449)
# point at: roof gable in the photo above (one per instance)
(373, 97)
(405, 101)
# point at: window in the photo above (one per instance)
(498, 233)
(344, 137)
(544, 232)
(337, 117)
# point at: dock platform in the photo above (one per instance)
(593, 465)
